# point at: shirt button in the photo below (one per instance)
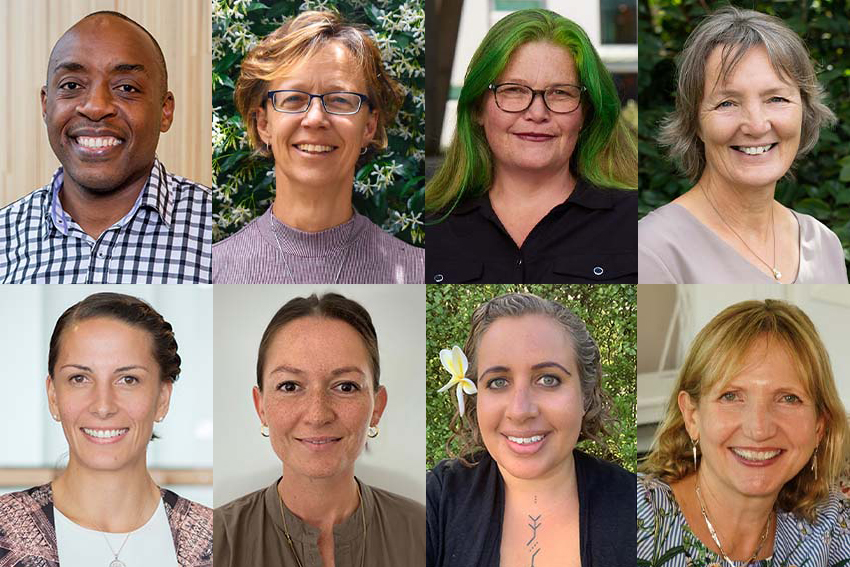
(519, 262)
(438, 278)
(598, 270)
(101, 254)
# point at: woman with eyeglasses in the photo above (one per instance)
(315, 98)
(533, 186)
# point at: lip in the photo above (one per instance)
(95, 153)
(756, 464)
(102, 440)
(525, 449)
(319, 444)
(755, 156)
(314, 154)
(534, 136)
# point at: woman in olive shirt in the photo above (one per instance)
(318, 397)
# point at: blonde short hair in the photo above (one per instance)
(717, 355)
(298, 39)
(737, 31)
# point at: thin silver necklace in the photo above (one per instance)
(716, 539)
(116, 562)
(346, 251)
(289, 538)
(776, 273)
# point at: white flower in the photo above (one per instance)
(455, 362)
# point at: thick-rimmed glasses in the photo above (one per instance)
(513, 97)
(338, 102)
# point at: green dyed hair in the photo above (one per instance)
(606, 151)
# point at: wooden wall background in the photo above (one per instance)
(28, 30)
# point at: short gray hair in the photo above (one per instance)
(597, 404)
(738, 31)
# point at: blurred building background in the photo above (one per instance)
(455, 28)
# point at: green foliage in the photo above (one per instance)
(610, 312)
(821, 185)
(389, 188)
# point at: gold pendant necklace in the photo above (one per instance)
(716, 539)
(289, 538)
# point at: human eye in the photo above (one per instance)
(288, 386)
(730, 396)
(128, 89)
(128, 380)
(725, 104)
(497, 383)
(777, 99)
(791, 399)
(347, 387)
(513, 89)
(77, 379)
(70, 86)
(549, 381)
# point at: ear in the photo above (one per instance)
(164, 402)
(689, 414)
(167, 112)
(51, 396)
(44, 103)
(258, 405)
(262, 124)
(819, 428)
(380, 405)
(370, 128)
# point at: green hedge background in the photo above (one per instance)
(388, 189)
(822, 185)
(610, 312)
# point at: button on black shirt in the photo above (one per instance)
(589, 238)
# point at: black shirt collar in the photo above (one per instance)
(584, 195)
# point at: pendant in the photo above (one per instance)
(776, 274)
(116, 563)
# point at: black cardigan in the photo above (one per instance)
(466, 507)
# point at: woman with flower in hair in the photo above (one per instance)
(532, 186)
(520, 493)
(742, 469)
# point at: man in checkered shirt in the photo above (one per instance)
(112, 213)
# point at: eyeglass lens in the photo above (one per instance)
(516, 98)
(335, 103)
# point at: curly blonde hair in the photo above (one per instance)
(717, 355)
(597, 404)
(298, 39)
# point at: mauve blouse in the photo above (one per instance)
(675, 247)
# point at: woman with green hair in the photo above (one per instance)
(535, 187)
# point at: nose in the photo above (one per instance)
(319, 410)
(315, 115)
(756, 122)
(759, 422)
(98, 102)
(538, 111)
(103, 404)
(521, 406)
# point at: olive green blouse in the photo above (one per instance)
(249, 532)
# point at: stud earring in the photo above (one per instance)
(264, 430)
(694, 443)
(55, 417)
(373, 431)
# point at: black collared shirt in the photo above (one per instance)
(589, 238)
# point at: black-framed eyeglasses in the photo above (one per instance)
(513, 97)
(337, 102)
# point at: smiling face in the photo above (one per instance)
(529, 403)
(105, 104)
(106, 390)
(318, 397)
(759, 430)
(315, 148)
(536, 139)
(750, 124)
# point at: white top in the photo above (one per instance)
(151, 544)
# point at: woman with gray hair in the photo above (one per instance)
(748, 106)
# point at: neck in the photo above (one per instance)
(110, 501)
(552, 490)
(95, 211)
(529, 188)
(744, 209)
(312, 208)
(321, 503)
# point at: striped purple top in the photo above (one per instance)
(266, 251)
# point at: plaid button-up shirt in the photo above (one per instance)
(165, 238)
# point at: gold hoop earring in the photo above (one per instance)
(694, 443)
(264, 430)
(373, 431)
(55, 417)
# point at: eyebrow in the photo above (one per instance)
(333, 373)
(121, 369)
(120, 68)
(732, 92)
(537, 366)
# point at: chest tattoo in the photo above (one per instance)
(533, 545)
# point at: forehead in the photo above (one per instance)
(525, 339)
(102, 335)
(318, 343)
(540, 61)
(101, 43)
(765, 357)
(737, 67)
(332, 64)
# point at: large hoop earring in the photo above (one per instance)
(264, 430)
(694, 443)
(373, 431)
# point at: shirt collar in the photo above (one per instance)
(154, 195)
(584, 195)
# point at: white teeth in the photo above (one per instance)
(755, 150)
(314, 149)
(90, 142)
(320, 442)
(105, 433)
(756, 455)
(526, 440)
